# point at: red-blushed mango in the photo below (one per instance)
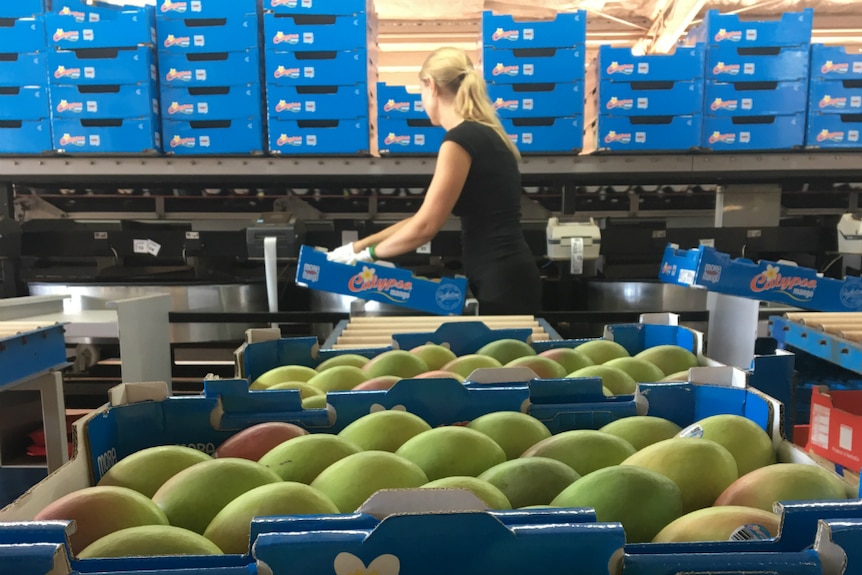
(381, 383)
(543, 367)
(584, 450)
(467, 364)
(719, 524)
(147, 470)
(150, 541)
(440, 374)
(256, 441)
(571, 359)
(763, 487)
(602, 350)
(507, 350)
(397, 362)
(434, 356)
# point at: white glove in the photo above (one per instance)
(364, 256)
(343, 255)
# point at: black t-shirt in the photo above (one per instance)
(490, 203)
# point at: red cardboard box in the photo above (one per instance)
(836, 426)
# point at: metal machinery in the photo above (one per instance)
(105, 228)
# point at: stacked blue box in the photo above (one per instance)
(209, 63)
(535, 75)
(321, 76)
(403, 126)
(646, 103)
(835, 98)
(25, 126)
(102, 79)
(757, 81)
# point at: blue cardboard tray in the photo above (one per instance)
(227, 103)
(546, 135)
(399, 102)
(317, 68)
(112, 29)
(403, 136)
(552, 65)
(629, 134)
(756, 133)
(203, 138)
(744, 99)
(22, 9)
(289, 33)
(318, 102)
(651, 98)
(102, 67)
(299, 137)
(22, 35)
(23, 69)
(104, 102)
(199, 9)
(790, 29)
(835, 63)
(32, 352)
(835, 97)
(537, 100)
(24, 103)
(726, 64)
(209, 70)
(765, 281)
(566, 30)
(122, 136)
(620, 65)
(318, 7)
(833, 131)
(206, 36)
(25, 137)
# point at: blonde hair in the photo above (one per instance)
(452, 70)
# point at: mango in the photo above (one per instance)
(584, 450)
(507, 350)
(602, 350)
(434, 356)
(192, 497)
(543, 367)
(341, 378)
(282, 374)
(490, 495)
(150, 541)
(384, 430)
(615, 380)
(306, 390)
(467, 364)
(100, 511)
(303, 458)
(440, 374)
(669, 358)
(763, 487)
(642, 500)
(515, 432)
(701, 468)
(231, 528)
(315, 402)
(449, 451)
(642, 430)
(719, 524)
(680, 376)
(348, 359)
(397, 362)
(571, 359)
(147, 470)
(531, 480)
(349, 482)
(640, 370)
(382, 383)
(254, 442)
(749, 444)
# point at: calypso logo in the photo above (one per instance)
(393, 106)
(178, 142)
(284, 106)
(66, 11)
(63, 72)
(398, 140)
(719, 138)
(69, 140)
(171, 6)
(282, 72)
(285, 140)
(181, 41)
(74, 107)
(719, 104)
(620, 138)
(501, 34)
(827, 136)
(728, 36)
(616, 104)
(181, 75)
(829, 102)
(501, 70)
(367, 281)
(722, 68)
(795, 287)
(288, 3)
(282, 38)
(510, 105)
(61, 35)
(617, 68)
(177, 108)
(831, 67)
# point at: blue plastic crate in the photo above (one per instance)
(317, 102)
(289, 33)
(537, 100)
(102, 67)
(316, 68)
(199, 9)
(106, 102)
(645, 134)
(226, 103)
(122, 136)
(25, 136)
(835, 63)
(398, 102)
(790, 29)
(237, 34)
(620, 65)
(23, 69)
(22, 35)
(22, 8)
(834, 131)
(566, 30)
(546, 135)
(113, 29)
(743, 99)
(24, 103)
(562, 65)
(408, 136)
(208, 70)
(756, 133)
(204, 138)
(651, 98)
(835, 97)
(35, 351)
(318, 7)
(726, 64)
(299, 137)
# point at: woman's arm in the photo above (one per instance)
(375, 239)
(453, 164)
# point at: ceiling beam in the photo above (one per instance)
(672, 20)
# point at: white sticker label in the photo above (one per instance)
(92, 107)
(419, 139)
(528, 104)
(308, 38)
(95, 140)
(747, 103)
(686, 277)
(529, 69)
(845, 438)
(820, 426)
(424, 249)
(90, 72)
(643, 103)
(100, 235)
(141, 247)
(200, 75)
(308, 71)
(88, 36)
(577, 256)
(695, 431)
(204, 141)
(748, 69)
(710, 243)
(529, 34)
(853, 135)
(311, 140)
(153, 248)
(311, 106)
(193, 235)
(643, 68)
(751, 35)
(200, 40)
(203, 108)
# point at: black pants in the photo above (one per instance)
(510, 288)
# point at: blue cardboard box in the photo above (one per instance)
(791, 29)
(123, 136)
(114, 29)
(206, 36)
(22, 8)
(546, 135)
(206, 70)
(342, 67)
(318, 7)
(563, 65)
(25, 136)
(835, 97)
(22, 35)
(502, 31)
(537, 100)
(835, 63)
(199, 9)
(235, 136)
(758, 133)
(102, 67)
(230, 102)
(399, 102)
(620, 65)
(289, 33)
(104, 102)
(24, 103)
(320, 102)
(651, 99)
(316, 137)
(408, 136)
(645, 134)
(744, 99)
(726, 64)
(23, 69)
(837, 131)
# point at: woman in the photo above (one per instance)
(476, 178)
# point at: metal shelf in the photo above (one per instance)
(818, 343)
